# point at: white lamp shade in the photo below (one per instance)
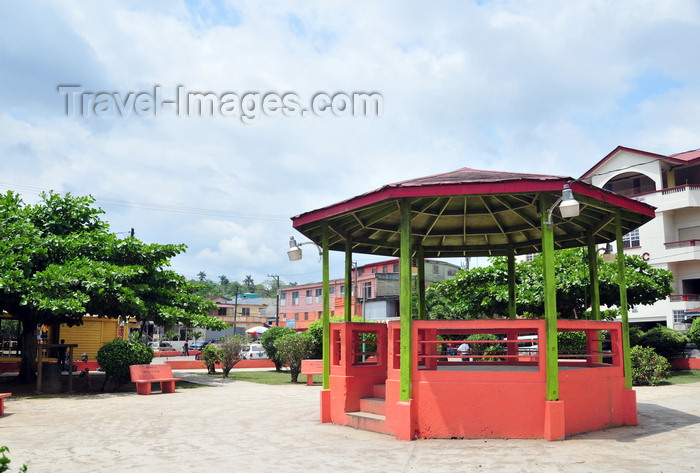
(569, 208)
(294, 253)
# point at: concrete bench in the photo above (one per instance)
(2, 402)
(310, 368)
(144, 375)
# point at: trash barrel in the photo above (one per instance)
(50, 378)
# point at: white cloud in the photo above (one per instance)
(507, 85)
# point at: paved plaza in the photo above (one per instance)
(237, 426)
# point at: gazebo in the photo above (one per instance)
(400, 378)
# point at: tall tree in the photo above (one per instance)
(483, 292)
(202, 276)
(223, 280)
(59, 262)
(249, 283)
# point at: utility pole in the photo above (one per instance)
(277, 306)
(235, 310)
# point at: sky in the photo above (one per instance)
(523, 86)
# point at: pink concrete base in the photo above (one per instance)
(554, 425)
(403, 424)
(629, 407)
(325, 406)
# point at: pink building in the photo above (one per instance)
(375, 293)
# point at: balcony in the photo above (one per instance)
(683, 250)
(672, 198)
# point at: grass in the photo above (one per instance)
(684, 377)
(269, 377)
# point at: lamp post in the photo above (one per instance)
(276, 277)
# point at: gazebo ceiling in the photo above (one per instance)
(470, 212)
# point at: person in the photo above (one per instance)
(61, 356)
(186, 348)
(463, 350)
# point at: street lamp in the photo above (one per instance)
(608, 255)
(294, 251)
(568, 205)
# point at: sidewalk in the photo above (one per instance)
(245, 427)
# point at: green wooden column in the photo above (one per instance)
(511, 283)
(422, 311)
(326, 310)
(626, 360)
(550, 304)
(593, 273)
(405, 302)
(348, 281)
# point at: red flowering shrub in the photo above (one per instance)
(648, 368)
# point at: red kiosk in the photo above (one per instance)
(399, 378)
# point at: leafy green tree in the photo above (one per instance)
(231, 348)
(59, 262)
(223, 280)
(211, 354)
(694, 332)
(267, 340)
(292, 349)
(116, 356)
(483, 292)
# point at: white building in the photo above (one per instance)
(672, 185)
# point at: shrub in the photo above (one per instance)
(116, 356)
(636, 335)
(667, 342)
(648, 367)
(211, 354)
(484, 348)
(231, 347)
(315, 330)
(694, 332)
(5, 461)
(267, 340)
(571, 342)
(292, 349)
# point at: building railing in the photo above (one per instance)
(680, 244)
(684, 297)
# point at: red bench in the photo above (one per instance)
(2, 402)
(144, 375)
(310, 368)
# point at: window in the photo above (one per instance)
(530, 257)
(342, 291)
(306, 316)
(295, 298)
(245, 310)
(451, 272)
(396, 267)
(283, 298)
(309, 297)
(631, 240)
(319, 293)
(222, 311)
(678, 316)
(296, 316)
(385, 269)
(374, 270)
(319, 314)
(436, 269)
(360, 271)
(367, 290)
(331, 290)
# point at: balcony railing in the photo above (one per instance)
(680, 244)
(684, 297)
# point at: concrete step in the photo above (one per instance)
(374, 405)
(368, 421)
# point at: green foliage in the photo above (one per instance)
(5, 461)
(315, 330)
(484, 348)
(648, 367)
(116, 356)
(482, 292)
(636, 335)
(211, 354)
(292, 349)
(571, 342)
(694, 332)
(59, 261)
(231, 347)
(666, 341)
(267, 340)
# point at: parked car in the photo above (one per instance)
(253, 351)
(161, 346)
(198, 345)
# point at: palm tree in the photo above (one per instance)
(249, 283)
(223, 280)
(202, 276)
